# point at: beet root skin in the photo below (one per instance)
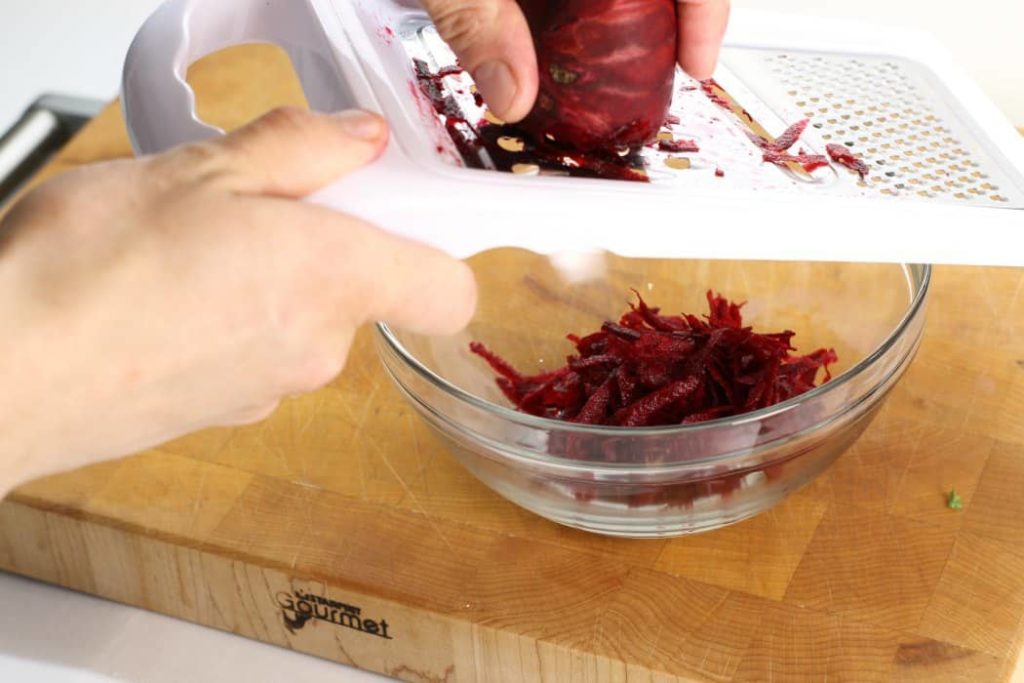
(606, 69)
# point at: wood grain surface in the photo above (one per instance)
(343, 494)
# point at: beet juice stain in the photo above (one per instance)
(461, 131)
(778, 153)
(616, 156)
(474, 138)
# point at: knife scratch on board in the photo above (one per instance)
(199, 497)
(349, 659)
(990, 297)
(915, 447)
(421, 464)
(416, 501)
(1016, 293)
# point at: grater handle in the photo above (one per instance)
(159, 105)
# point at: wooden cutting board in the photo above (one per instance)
(342, 503)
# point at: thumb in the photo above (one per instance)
(289, 152)
(702, 25)
(419, 288)
(493, 43)
(377, 275)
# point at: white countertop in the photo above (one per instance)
(52, 634)
(47, 633)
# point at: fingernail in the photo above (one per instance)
(360, 124)
(496, 84)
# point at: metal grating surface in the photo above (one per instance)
(886, 110)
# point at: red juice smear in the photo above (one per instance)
(386, 34)
(774, 152)
(597, 164)
(709, 86)
(472, 138)
(679, 146)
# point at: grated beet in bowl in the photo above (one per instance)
(658, 424)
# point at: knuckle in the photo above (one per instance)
(460, 22)
(213, 160)
(193, 162)
(197, 154)
(283, 120)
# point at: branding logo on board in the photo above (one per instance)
(298, 607)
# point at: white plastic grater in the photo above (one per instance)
(947, 170)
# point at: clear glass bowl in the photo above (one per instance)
(664, 481)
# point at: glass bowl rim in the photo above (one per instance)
(550, 424)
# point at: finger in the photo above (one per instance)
(422, 290)
(289, 152)
(702, 25)
(380, 276)
(493, 43)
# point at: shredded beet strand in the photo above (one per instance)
(809, 162)
(843, 156)
(650, 369)
(790, 136)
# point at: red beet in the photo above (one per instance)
(606, 70)
(471, 138)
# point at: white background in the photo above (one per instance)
(76, 48)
